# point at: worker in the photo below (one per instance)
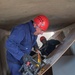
(48, 45)
(22, 39)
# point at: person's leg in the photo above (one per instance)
(14, 68)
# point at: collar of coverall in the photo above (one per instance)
(32, 29)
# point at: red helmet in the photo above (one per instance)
(42, 38)
(42, 22)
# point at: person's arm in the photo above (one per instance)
(54, 42)
(13, 42)
(36, 47)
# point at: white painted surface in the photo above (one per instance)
(64, 66)
(46, 34)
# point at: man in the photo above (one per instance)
(22, 39)
(48, 46)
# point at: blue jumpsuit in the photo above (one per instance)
(20, 42)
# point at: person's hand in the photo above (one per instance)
(37, 51)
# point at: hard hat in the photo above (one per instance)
(42, 22)
(42, 38)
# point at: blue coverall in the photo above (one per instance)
(20, 42)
